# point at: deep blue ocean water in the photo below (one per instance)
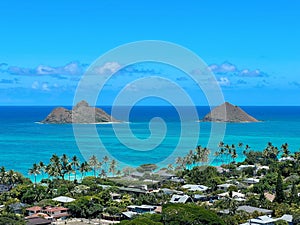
(24, 142)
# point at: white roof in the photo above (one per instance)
(195, 187)
(286, 159)
(225, 185)
(129, 214)
(63, 199)
(286, 217)
(245, 166)
(179, 198)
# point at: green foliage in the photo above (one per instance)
(146, 168)
(11, 219)
(113, 211)
(203, 175)
(280, 196)
(189, 214)
(140, 220)
(86, 207)
(253, 157)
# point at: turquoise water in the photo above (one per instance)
(24, 142)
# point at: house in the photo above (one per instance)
(37, 221)
(63, 199)
(137, 174)
(251, 181)
(33, 210)
(221, 169)
(224, 187)
(236, 195)
(164, 174)
(250, 210)
(115, 197)
(284, 159)
(269, 196)
(168, 191)
(177, 180)
(195, 187)
(133, 210)
(56, 212)
(5, 188)
(132, 190)
(52, 212)
(17, 207)
(180, 199)
(144, 208)
(241, 167)
(266, 220)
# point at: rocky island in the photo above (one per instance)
(81, 113)
(228, 113)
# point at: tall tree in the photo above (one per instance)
(42, 168)
(113, 167)
(279, 197)
(64, 165)
(84, 168)
(2, 174)
(105, 160)
(94, 163)
(75, 164)
(34, 170)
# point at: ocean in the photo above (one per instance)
(23, 141)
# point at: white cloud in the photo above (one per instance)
(35, 85)
(224, 81)
(109, 67)
(72, 68)
(45, 87)
(231, 70)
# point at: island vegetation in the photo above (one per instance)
(186, 192)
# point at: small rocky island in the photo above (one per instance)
(228, 113)
(81, 113)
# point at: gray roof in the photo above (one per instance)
(170, 191)
(134, 190)
(250, 209)
(269, 220)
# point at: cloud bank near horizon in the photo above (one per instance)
(62, 80)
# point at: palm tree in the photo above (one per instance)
(42, 167)
(102, 173)
(202, 154)
(234, 155)
(35, 170)
(94, 163)
(75, 164)
(170, 167)
(180, 162)
(119, 173)
(54, 167)
(64, 161)
(84, 167)
(113, 167)
(70, 170)
(285, 150)
(12, 177)
(105, 160)
(2, 174)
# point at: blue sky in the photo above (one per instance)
(252, 46)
